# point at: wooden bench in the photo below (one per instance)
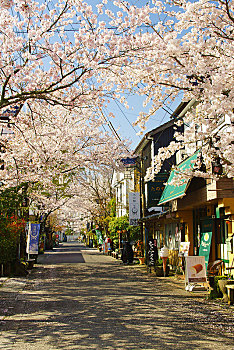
(230, 292)
(214, 267)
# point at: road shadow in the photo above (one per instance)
(111, 307)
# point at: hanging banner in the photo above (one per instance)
(33, 238)
(99, 237)
(105, 247)
(134, 208)
(206, 236)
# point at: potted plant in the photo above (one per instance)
(159, 268)
(223, 281)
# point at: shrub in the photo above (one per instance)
(215, 292)
(10, 231)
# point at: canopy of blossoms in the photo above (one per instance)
(62, 61)
(52, 149)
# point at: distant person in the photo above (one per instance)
(127, 253)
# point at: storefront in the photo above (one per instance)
(205, 212)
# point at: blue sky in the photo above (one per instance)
(126, 117)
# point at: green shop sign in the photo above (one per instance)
(172, 192)
(206, 236)
(155, 188)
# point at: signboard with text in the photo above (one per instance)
(129, 162)
(33, 238)
(206, 236)
(134, 208)
(154, 189)
(195, 271)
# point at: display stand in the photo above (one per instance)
(195, 274)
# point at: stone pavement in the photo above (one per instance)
(76, 298)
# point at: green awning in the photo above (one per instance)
(171, 191)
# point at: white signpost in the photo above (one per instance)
(134, 208)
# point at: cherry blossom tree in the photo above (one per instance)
(91, 202)
(78, 55)
(53, 149)
(99, 188)
(63, 52)
(193, 59)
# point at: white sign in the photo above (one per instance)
(195, 269)
(134, 208)
(184, 249)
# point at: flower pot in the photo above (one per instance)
(30, 263)
(222, 286)
(142, 260)
(159, 271)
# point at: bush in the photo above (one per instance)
(159, 262)
(10, 231)
(215, 292)
(131, 233)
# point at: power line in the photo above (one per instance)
(108, 122)
(112, 128)
(116, 102)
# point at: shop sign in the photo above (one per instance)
(9, 112)
(206, 236)
(33, 238)
(184, 249)
(134, 208)
(129, 162)
(195, 271)
(154, 189)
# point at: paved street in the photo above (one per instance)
(76, 298)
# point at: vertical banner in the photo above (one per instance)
(33, 238)
(99, 237)
(206, 236)
(134, 208)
